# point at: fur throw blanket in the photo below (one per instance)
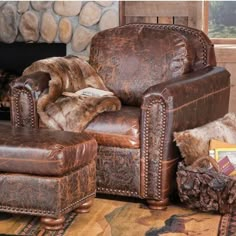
(70, 74)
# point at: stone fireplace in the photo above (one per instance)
(73, 23)
(33, 30)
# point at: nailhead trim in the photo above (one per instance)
(109, 190)
(43, 212)
(19, 121)
(178, 28)
(204, 59)
(146, 145)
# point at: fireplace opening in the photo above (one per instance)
(14, 58)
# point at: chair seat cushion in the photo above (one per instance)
(117, 129)
(43, 151)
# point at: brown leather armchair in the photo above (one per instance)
(167, 80)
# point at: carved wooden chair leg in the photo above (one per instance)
(52, 223)
(85, 207)
(157, 205)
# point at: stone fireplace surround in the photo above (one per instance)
(73, 23)
(32, 30)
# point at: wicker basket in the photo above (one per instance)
(206, 189)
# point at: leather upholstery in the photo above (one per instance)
(44, 152)
(117, 129)
(45, 172)
(118, 171)
(189, 102)
(167, 76)
(140, 54)
(27, 89)
(47, 196)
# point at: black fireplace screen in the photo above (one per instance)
(14, 58)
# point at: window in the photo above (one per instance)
(220, 21)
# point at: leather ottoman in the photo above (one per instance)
(46, 173)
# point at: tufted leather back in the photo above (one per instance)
(133, 57)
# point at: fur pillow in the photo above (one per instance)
(194, 143)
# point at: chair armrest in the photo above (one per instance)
(191, 86)
(192, 100)
(24, 94)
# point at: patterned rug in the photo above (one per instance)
(227, 225)
(119, 218)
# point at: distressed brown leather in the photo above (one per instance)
(173, 94)
(117, 129)
(44, 152)
(189, 102)
(45, 172)
(25, 90)
(118, 171)
(141, 54)
(47, 196)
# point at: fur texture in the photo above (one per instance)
(194, 143)
(70, 74)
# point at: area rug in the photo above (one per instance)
(120, 218)
(227, 225)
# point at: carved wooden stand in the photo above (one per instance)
(85, 207)
(158, 205)
(56, 224)
(53, 224)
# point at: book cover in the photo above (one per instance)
(220, 154)
(220, 144)
(226, 166)
(87, 92)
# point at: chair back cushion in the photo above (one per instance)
(133, 57)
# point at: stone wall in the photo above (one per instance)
(71, 22)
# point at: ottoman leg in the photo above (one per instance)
(85, 207)
(52, 223)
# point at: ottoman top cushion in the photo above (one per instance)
(43, 151)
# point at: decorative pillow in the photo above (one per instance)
(5, 79)
(194, 143)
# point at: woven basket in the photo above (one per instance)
(206, 189)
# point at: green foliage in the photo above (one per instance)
(222, 12)
(221, 31)
(222, 19)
